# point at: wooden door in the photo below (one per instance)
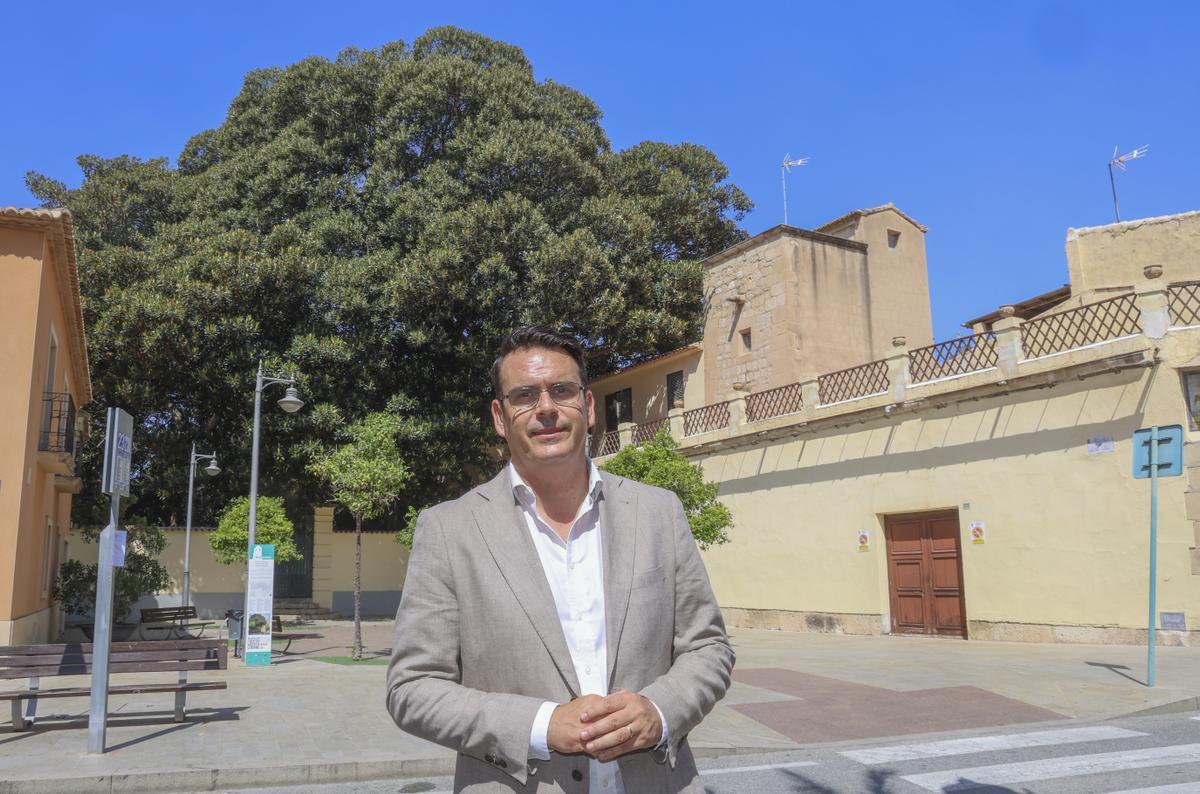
(925, 574)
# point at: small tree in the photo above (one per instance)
(365, 476)
(230, 538)
(142, 574)
(657, 463)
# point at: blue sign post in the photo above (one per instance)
(1157, 452)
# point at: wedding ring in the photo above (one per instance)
(630, 728)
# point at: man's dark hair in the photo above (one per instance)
(531, 336)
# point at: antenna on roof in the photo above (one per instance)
(1119, 162)
(784, 167)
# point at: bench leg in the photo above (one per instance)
(32, 702)
(180, 698)
(18, 719)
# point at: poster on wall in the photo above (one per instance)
(978, 533)
(864, 540)
(260, 600)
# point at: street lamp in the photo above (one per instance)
(212, 470)
(290, 403)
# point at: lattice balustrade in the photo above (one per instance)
(706, 419)
(774, 402)
(1086, 325)
(646, 431)
(1183, 301)
(606, 444)
(955, 357)
(848, 384)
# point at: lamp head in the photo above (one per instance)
(291, 401)
(212, 469)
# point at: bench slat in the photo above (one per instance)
(124, 656)
(86, 647)
(120, 689)
(154, 614)
(118, 667)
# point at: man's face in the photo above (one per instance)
(547, 432)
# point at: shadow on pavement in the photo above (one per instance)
(1117, 668)
(880, 781)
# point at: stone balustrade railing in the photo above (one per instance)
(1011, 349)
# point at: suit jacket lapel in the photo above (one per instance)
(500, 522)
(618, 517)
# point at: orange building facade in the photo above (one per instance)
(44, 382)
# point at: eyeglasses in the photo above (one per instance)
(528, 396)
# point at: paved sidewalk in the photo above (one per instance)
(304, 720)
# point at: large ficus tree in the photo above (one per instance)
(376, 224)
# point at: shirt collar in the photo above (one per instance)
(525, 495)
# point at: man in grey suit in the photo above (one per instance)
(557, 627)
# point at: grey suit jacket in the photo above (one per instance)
(479, 648)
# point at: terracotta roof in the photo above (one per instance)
(1028, 308)
(679, 352)
(871, 211)
(56, 224)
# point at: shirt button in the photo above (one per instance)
(587, 671)
(606, 782)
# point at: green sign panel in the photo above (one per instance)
(260, 599)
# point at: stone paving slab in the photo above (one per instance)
(306, 721)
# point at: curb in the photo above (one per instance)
(1174, 707)
(189, 780)
(223, 779)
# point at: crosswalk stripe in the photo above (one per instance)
(983, 744)
(1051, 768)
(758, 768)
(1174, 788)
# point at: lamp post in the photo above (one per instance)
(212, 470)
(290, 403)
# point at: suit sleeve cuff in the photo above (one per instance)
(539, 744)
(665, 733)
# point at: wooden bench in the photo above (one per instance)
(177, 622)
(277, 633)
(36, 662)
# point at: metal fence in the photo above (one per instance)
(955, 357)
(646, 431)
(606, 444)
(848, 384)
(706, 419)
(774, 402)
(1183, 302)
(58, 424)
(1086, 325)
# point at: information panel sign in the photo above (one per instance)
(118, 453)
(260, 600)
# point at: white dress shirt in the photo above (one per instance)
(575, 571)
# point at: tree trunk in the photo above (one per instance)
(357, 654)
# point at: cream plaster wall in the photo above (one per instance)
(1066, 542)
(648, 386)
(1101, 257)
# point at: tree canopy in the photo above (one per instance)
(231, 539)
(658, 463)
(376, 224)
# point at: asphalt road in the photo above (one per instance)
(1146, 755)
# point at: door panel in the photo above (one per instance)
(925, 574)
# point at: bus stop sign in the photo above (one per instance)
(1170, 451)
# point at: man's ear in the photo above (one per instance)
(590, 403)
(498, 419)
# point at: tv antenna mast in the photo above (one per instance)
(784, 167)
(1119, 162)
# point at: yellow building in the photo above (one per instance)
(981, 487)
(43, 358)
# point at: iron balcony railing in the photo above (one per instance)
(58, 424)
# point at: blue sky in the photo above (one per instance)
(989, 123)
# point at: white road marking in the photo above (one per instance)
(1051, 768)
(758, 768)
(983, 744)
(1175, 788)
